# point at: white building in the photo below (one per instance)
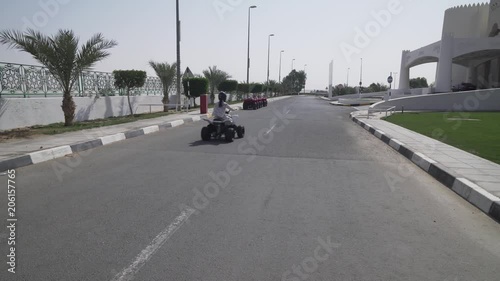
(469, 50)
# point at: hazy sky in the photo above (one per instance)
(214, 32)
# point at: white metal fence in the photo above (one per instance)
(20, 80)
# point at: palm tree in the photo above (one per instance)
(272, 86)
(215, 77)
(60, 55)
(167, 74)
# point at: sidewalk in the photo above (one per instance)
(17, 153)
(475, 179)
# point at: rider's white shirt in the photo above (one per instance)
(220, 111)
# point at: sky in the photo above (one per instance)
(214, 32)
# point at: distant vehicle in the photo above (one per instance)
(464, 87)
(254, 103)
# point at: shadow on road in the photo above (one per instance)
(211, 142)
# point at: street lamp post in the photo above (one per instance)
(305, 78)
(361, 78)
(282, 51)
(248, 49)
(268, 57)
(292, 63)
(178, 27)
(347, 85)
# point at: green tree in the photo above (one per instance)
(376, 87)
(195, 87)
(279, 89)
(295, 81)
(215, 77)
(167, 74)
(129, 79)
(61, 56)
(419, 82)
(229, 86)
(272, 87)
(256, 88)
(243, 89)
(341, 90)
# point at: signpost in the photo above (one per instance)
(389, 80)
(330, 81)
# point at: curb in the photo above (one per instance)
(61, 151)
(350, 105)
(474, 194)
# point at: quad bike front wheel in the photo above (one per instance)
(240, 130)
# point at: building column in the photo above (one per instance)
(497, 77)
(487, 74)
(404, 72)
(472, 75)
(443, 81)
(493, 81)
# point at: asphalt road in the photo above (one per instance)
(306, 195)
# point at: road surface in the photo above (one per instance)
(306, 195)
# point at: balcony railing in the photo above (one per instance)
(20, 80)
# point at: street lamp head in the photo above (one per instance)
(271, 34)
(282, 51)
(252, 7)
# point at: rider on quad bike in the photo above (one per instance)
(221, 108)
(222, 123)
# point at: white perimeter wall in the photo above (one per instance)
(23, 112)
(483, 100)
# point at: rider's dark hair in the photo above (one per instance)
(222, 98)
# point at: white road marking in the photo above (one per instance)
(129, 273)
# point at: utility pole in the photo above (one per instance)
(178, 24)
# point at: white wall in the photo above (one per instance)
(484, 100)
(469, 21)
(356, 96)
(22, 112)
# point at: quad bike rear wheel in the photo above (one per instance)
(205, 134)
(229, 135)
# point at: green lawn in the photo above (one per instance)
(480, 136)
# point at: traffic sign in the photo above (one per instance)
(389, 79)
